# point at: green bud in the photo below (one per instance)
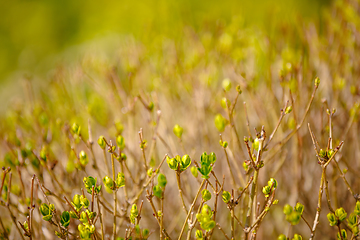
(266, 190)
(120, 180)
(226, 84)
(76, 129)
(272, 183)
(133, 213)
(162, 180)
(185, 162)
(352, 220)
(288, 110)
(101, 142)
(145, 233)
(123, 156)
(357, 208)
(108, 182)
(287, 209)
(205, 170)
(120, 141)
(220, 122)
(172, 162)
(47, 211)
(343, 235)
(178, 131)
(297, 237)
(89, 182)
(149, 172)
(83, 158)
(226, 196)
(322, 153)
(73, 215)
(293, 218)
(76, 202)
(332, 219)
(341, 214)
(317, 81)
(355, 230)
(256, 144)
(119, 127)
(206, 195)
(281, 237)
(65, 219)
(43, 153)
(212, 158)
(299, 208)
(208, 225)
(157, 191)
(330, 153)
(151, 106)
(194, 171)
(84, 201)
(199, 235)
(238, 89)
(206, 210)
(276, 201)
(224, 144)
(225, 102)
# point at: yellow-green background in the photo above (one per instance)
(33, 31)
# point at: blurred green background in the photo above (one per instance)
(33, 31)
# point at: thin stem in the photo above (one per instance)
(191, 207)
(180, 191)
(114, 197)
(318, 210)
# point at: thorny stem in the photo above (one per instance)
(191, 207)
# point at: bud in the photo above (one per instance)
(76, 129)
(226, 84)
(194, 171)
(238, 89)
(172, 162)
(120, 180)
(332, 219)
(157, 191)
(266, 190)
(297, 237)
(288, 110)
(83, 158)
(341, 214)
(101, 142)
(220, 122)
(299, 208)
(178, 131)
(162, 180)
(185, 162)
(317, 81)
(287, 209)
(206, 195)
(120, 142)
(226, 196)
(272, 183)
(225, 102)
